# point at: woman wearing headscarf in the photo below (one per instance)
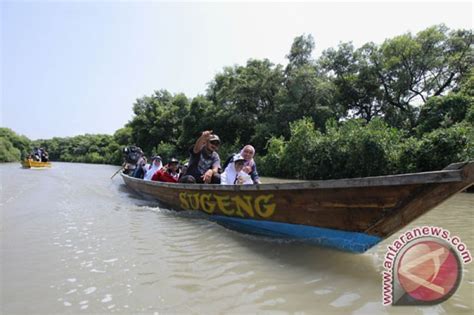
(155, 166)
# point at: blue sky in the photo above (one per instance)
(70, 68)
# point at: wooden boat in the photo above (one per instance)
(34, 164)
(347, 214)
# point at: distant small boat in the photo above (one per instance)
(348, 214)
(34, 164)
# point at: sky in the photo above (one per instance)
(75, 67)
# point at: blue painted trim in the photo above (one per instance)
(343, 240)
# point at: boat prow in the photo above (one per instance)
(348, 214)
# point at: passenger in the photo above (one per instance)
(128, 168)
(44, 155)
(140, 168)
(169, 173)
(131, 156)
(185, 179)
(183, 169)
(204, 162)
(250, 167)
(234, 174)
(155, 166)
(37, 154)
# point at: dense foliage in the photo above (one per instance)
(12, 145)
(358, 149)
(405, 105)
(99, 149)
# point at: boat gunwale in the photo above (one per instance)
(443, 176)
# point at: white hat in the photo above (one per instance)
(238, 157)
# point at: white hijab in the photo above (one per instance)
(230, 175)
(152, 170)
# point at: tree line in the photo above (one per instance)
(401, 106)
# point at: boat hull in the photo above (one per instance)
(347, 214)
(35, 164)
(355, 242)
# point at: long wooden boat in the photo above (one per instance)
(34, 164)
(347, 214)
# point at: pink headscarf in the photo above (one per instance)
(250, 162)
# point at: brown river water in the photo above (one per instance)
(73, 241)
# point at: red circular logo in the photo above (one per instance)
(429, 271)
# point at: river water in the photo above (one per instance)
(74, 241)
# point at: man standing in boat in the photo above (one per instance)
(204, 161)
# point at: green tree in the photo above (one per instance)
(200, 117)
(8, 153)
(307, 93)
(158, 118)
(443, 112)
(358, 93)
(19, 142)
(123, 136)
(100, 148)
(429, 64)
(392, 79)
(243, 97)
(300, 52)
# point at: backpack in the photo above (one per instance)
(132, 154)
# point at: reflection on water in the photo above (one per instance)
(73, 241)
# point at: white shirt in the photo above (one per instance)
(230, 176)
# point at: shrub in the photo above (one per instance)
(354, 149)
(349, 149)
(407, 161)
(269, 165)
(442, 147)
(297, 158)
(93, 157)
(443, 112)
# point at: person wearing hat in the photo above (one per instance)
(234, 174)
(168, 173)
(204, 161)
(154, 167)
